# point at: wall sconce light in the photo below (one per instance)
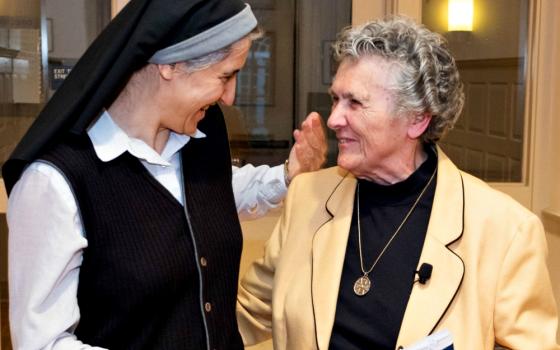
(460, 15)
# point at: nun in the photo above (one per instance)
(123, 228)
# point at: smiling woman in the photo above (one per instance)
(351, 238)
(363, 119)
(207, 86)
(179, 96)
(137, 153)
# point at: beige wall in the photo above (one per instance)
(117, 5)
(24, 8)
(546, 166)
(491, 37)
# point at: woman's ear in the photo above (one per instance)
(166, 70)
(418, 125)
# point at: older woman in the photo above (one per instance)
(396, 243)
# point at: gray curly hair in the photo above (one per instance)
(428, 80)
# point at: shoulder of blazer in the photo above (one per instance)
(479, 194)
(331, 188)
(324, 178)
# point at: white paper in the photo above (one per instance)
(437, 341)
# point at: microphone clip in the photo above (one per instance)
(424, 273)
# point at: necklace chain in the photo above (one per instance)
(362, 285)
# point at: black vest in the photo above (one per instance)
(139, 283)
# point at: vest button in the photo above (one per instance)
(203, 261)
(207, 307)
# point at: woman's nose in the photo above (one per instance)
(228, 97)
(337, 117)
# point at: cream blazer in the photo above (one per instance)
(489, 282)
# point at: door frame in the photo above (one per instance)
(3, 197)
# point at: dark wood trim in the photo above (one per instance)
(492, 63)
(7, 52)
(4, 290)
(269, 144)
(19, 22)
(551, 220)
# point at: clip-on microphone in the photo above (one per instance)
(424, 273)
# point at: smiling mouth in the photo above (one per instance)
(344, 140)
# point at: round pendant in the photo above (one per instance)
(362, 285)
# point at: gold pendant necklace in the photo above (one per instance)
(363, 283)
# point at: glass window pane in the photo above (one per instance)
(286, 76)
(316, 66)
(488, 139)
(27, 79)
(261, 122)
(20, 70)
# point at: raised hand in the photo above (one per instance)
(309, 153)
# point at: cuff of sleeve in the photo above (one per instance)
(287, 179)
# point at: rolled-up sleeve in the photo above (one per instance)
(258, 190)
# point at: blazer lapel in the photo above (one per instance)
(429, 302)
(329, 250)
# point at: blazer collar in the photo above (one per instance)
(446, 220)
(428, 302)
(328, 251)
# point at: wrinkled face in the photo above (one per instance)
(189, 95)
(369, 135)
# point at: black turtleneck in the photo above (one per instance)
(373, 321)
